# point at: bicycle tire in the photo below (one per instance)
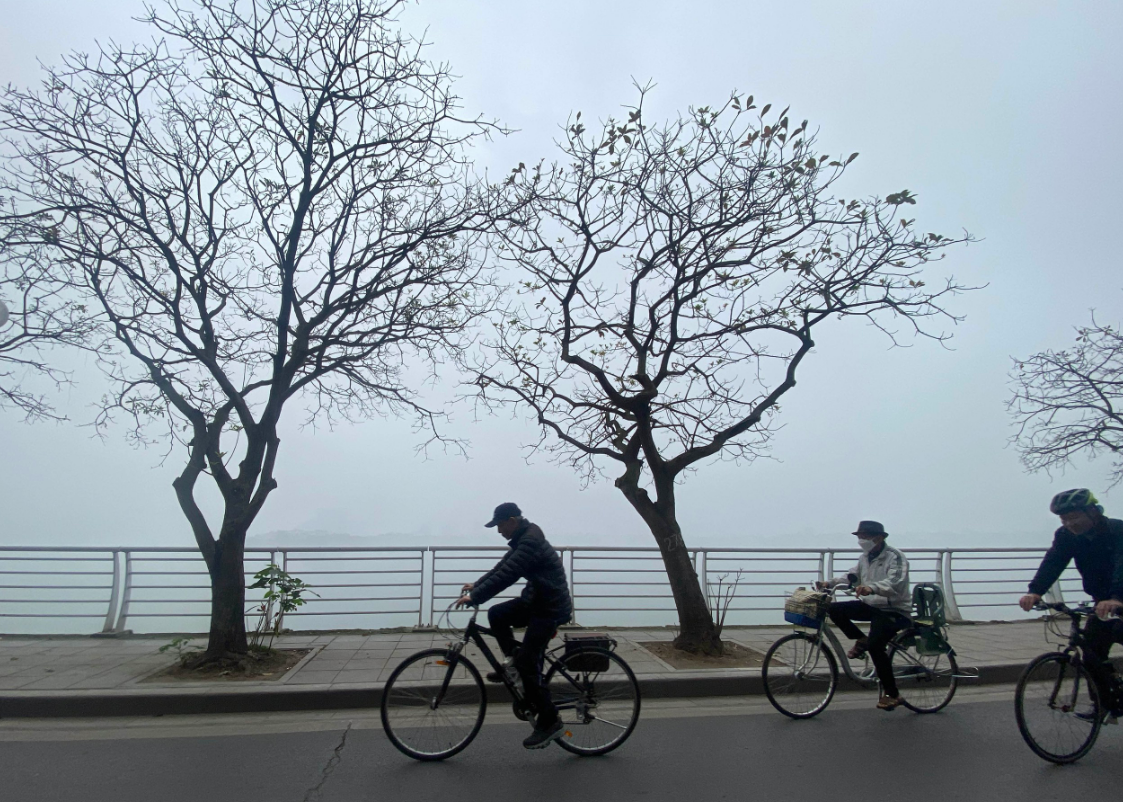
(594, 705)
(441, 731)
(1052, 690)
(926, 683)
(786, 681)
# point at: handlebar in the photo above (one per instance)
(1084, 608)
(836, 589)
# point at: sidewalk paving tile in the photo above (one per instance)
(305, 677)
(119, 664)
(361, 676)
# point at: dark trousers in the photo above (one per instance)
(884, 625)
(501, 619)
(1098, 639)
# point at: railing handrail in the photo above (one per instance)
(737, 549)
(423, 573)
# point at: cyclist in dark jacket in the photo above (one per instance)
(1095, 542)
(542, 607)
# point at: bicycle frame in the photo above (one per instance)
(867, 677)
(473, 633)
(1075, 646)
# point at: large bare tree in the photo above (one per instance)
(1070, 402)
(269, 201)
(673, 279)
(37, 317)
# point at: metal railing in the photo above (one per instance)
(54, 589)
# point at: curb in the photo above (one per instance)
(90, 704)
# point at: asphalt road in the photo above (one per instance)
(723, 749)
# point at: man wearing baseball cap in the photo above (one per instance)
(543, 605)
(881, 583)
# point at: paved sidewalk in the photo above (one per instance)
(104, 676)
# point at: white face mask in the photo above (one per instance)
(866, 545)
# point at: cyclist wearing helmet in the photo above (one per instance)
(543, 606)
(881, 580)
(1095, 542)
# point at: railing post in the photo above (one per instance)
(828, 566)
(421, 588)
(281, 614)
(949, 589)
(572, 587)
(1054, 595)
(114, 594)
(432, 586)
(123, 616)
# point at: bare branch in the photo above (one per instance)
(673, 277)
(1070, 402)
(270, 202)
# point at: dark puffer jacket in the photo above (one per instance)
(1099, 559)
(531, 557)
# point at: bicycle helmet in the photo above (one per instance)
(1076, 500)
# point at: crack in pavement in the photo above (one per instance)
(313, 793)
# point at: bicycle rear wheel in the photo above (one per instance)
(926, 682)
(800, 675)
(1058, 708)
(433, 705)
(598, 700)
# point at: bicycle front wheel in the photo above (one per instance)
(1058, 708)
(800, 675)
(433, 705)
(598, 700)
(925, 682)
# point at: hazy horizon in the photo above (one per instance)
(1000, 118)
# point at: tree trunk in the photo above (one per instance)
(697, 632)
(228, 595)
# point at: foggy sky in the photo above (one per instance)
(1002, 118)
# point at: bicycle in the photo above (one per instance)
(434, 703)
(800, 671)
(1056, 703)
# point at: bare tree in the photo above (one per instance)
(37, 316)
(673, 277)
(1071, 402)
(269, 201)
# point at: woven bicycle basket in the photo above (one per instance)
(806, 608)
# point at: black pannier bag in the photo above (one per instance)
(574, 643)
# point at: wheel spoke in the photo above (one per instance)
(925, 681)
(799, 675)
(610, 723)
(599, 708)
(1057, 712)
(417, 722)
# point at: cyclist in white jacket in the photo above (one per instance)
(881, 581)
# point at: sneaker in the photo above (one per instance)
(1106, 716)
(508, 668)
(859, 649)
(888, 702)
(544, 737)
